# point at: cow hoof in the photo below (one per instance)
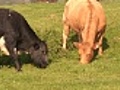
(19, 70)
(64, 48)
(100, 53)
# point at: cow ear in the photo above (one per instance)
(36, 46)
(77, 44)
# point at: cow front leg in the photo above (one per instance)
(100, 51)
(14, 56)
(66, 31)
(13, 53)
(79, 37)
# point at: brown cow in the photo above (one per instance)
(88, 20)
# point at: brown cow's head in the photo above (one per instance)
(86, 52)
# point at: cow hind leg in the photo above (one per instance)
(66, 31)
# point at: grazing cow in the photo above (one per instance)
(16, 35)
(88, 20)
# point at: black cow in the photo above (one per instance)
(16, 35)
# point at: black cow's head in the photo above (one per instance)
(39, 54)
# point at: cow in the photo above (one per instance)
(88, 20)
(16, 35)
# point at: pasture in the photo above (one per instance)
(64, 71)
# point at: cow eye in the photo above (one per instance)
(36, 46)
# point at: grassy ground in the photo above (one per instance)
(65, 72)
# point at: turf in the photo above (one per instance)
(64, 72)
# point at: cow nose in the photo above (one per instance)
(84, 61)
(44, 64)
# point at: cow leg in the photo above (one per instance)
(100, 51)
(79, 37)
(10, 45)
(66, 31)
(14, 56)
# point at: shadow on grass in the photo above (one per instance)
(8, 62)
(105, 46)
(24, 59)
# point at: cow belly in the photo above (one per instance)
(3, 47)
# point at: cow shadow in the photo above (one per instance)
(105, 47)
(23, 58)
(73, 37)
(8, 62)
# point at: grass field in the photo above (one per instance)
(64, 71)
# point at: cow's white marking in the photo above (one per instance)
(5, 50)
(3, 47)
(9, 14)
(20, 52)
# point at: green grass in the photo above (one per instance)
(64, 71)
